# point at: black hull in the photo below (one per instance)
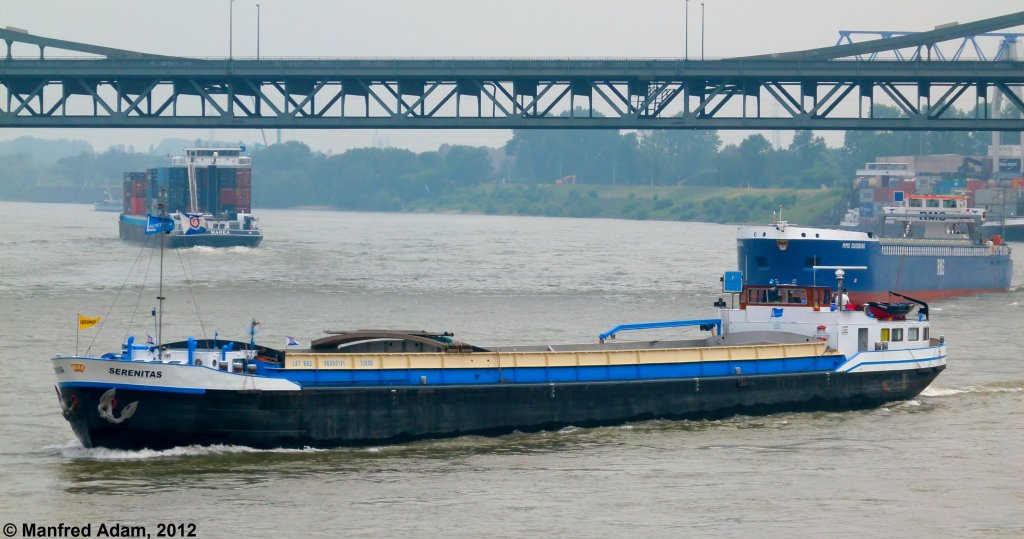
(230, 239)
(332, 417)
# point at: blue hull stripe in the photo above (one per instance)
(138, 387)
(527, 375)
(312, 378)
(894, 362)
(869, 352)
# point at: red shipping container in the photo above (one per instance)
(138, 205)
(908, 187)
(227, 196)
(974, 185)
(243, 178)
(243, 197)
(884, 194)
(1017, 183)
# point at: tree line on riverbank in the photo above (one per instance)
(575, 172)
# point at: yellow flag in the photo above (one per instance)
(85, 322)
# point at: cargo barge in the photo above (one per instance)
(208, 194)
(930, 246)
(784, 348)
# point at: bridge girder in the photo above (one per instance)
(506, 94)
(810, 89)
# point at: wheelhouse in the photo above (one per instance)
(786, 296)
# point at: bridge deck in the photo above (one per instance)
(813, 89)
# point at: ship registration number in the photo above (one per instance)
(853, 245)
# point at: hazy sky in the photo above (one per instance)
(459, 28)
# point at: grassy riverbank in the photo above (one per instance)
(708, 204)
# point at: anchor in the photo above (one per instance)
(106, 407)
(66, 409)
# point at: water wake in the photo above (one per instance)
(204, 249)
(74, 451)
(1003, 387)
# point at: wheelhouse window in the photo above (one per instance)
(915, 203)
(798, 296)
(897, 334)
(785, 295)
(924, 337)
(912, 334)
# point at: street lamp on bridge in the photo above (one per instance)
(686, 32)
(231, 29)
(702, 30)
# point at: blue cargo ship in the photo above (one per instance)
(929, 246)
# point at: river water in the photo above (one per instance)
(947, 463)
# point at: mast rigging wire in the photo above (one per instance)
(188, 282)
(106, 315)
(142, 290)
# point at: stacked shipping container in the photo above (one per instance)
(222, 191)
(135, 190)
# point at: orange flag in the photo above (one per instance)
(85, 322)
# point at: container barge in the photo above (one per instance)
(208, 194)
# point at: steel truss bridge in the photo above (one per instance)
(828, 88)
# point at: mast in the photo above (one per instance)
(160, 294)
(193, 197)
(252, 337)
